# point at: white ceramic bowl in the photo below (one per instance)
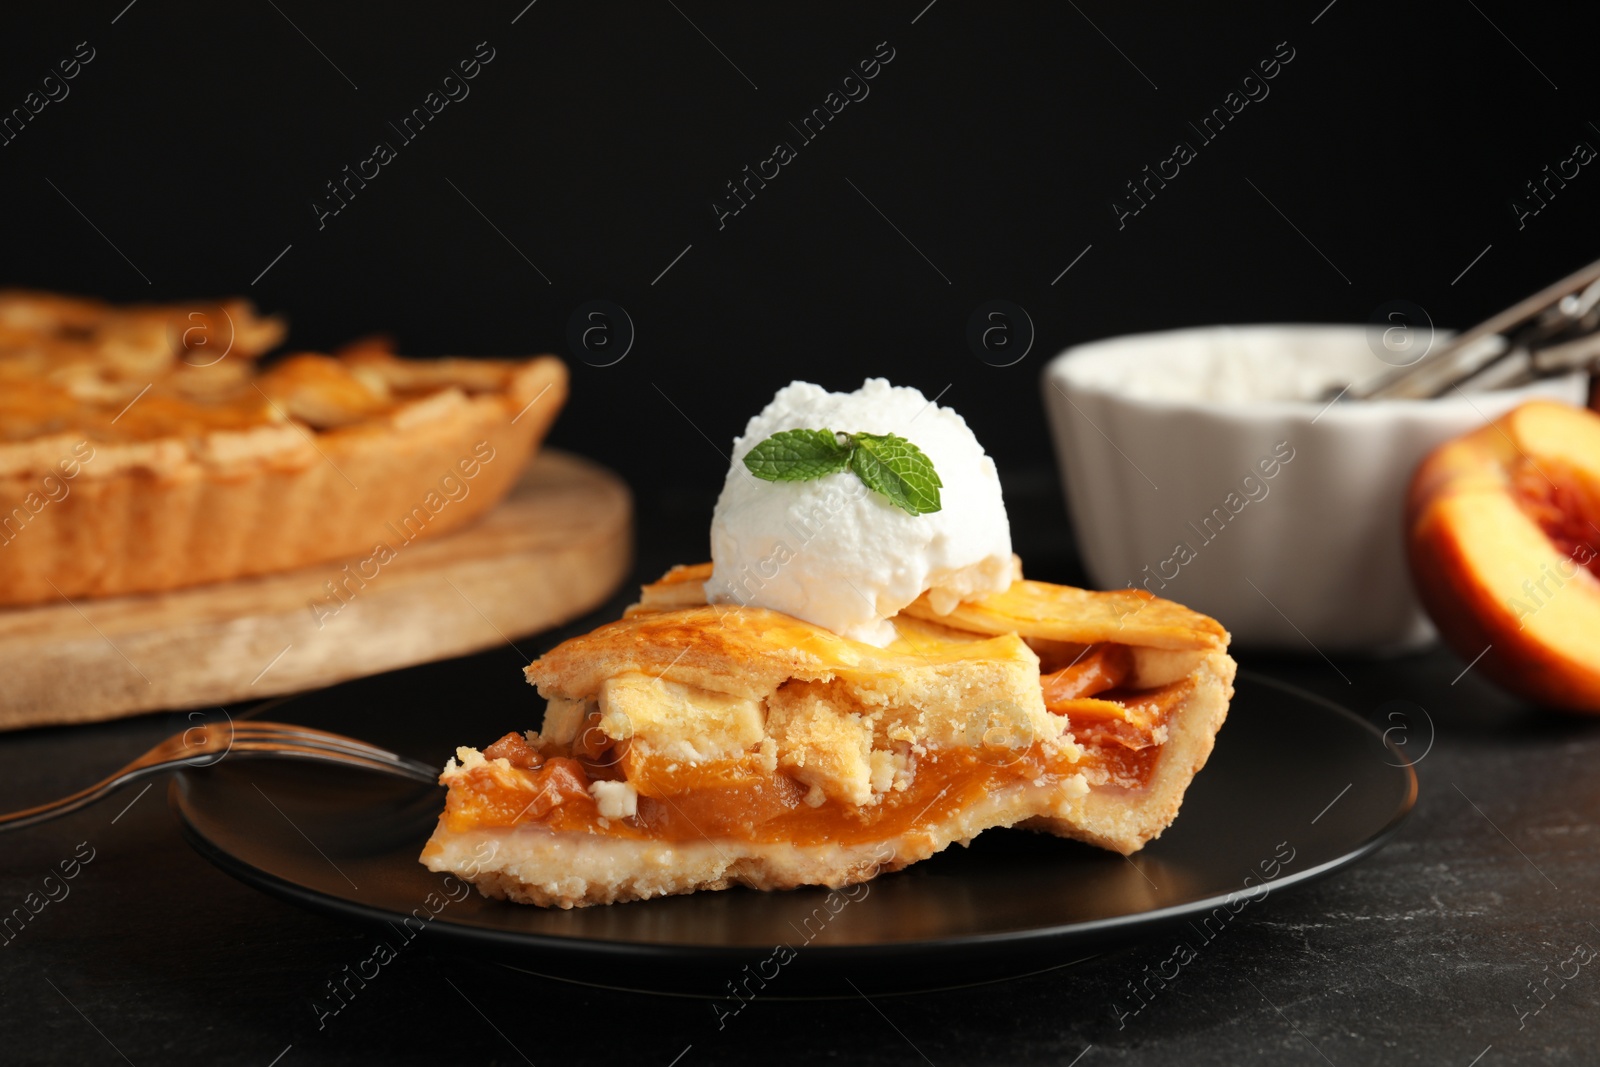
(1281, 518)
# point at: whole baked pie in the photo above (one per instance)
(142, 448)
(694, 746)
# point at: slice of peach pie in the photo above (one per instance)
(691, 746)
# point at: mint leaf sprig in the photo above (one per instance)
(886, 464)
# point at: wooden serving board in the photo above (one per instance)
(556, 547)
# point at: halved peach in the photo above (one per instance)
(1503, 535)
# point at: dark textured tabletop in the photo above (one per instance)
(1467, 940)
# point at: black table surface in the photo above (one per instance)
(1464, 941)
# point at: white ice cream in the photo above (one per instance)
(835, 553)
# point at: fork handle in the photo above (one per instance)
(412, 769)
(66, 805)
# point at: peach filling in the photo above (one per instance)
(1565, 503)
(1119, 730)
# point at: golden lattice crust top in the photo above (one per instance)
(751, 651)
(1028, 608)
(176, 384)
(1081, 616)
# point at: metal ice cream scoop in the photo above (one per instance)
(1552, 332)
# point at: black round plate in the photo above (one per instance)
(1297, 787)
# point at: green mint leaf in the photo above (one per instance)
(885, 463)
(898, 469)
(797, 456)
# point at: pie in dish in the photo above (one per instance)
(143, 449)
(690, 746)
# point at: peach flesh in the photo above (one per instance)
(1504, 543)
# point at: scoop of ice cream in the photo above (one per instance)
(835, 553)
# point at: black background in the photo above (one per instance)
(600, 135)
(1380, 167)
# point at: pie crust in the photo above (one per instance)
(142, 449)
(691, 746)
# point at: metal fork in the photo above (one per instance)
(209, 743)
